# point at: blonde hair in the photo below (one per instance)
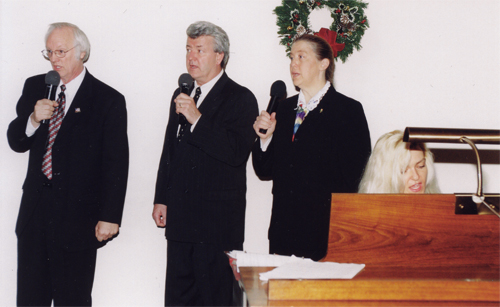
(389, 159)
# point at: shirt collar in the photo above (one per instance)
(73, 86)
(205, 88)
(311, 104)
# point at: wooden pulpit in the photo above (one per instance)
(415, 249)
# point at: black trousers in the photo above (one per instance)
(45, 271)
(198, 275)
(287, 249)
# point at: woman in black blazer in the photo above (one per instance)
(317, 143)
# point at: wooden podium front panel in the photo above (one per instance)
(360, 291)
(383, 290)
(406, 230)
(416, 251)
(479, 284)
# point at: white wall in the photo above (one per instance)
(423, 64)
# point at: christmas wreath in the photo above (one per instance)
(344, 34)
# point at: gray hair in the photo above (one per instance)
(221, 40)
(81, 40)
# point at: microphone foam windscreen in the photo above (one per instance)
(185, 79)
(52, 77)
(278, 89)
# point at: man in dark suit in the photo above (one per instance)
(202, 174)
(74, 190)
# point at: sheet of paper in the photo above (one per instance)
(244, 259)
(291, 267)
(309, 269)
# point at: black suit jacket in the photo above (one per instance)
(328, 155)
(202, 179)
(90, 161)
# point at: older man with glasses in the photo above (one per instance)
(74, 190)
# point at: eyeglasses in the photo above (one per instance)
(59, 53)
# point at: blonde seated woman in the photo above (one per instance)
(399, 167)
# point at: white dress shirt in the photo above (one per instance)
(70, 92)
(205, 89)
(311, 105)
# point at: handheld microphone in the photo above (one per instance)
(52, 80)
(278, 93)
(185, 83)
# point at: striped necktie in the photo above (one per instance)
(54, 126)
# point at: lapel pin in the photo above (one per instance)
(77, 110)
(321, 111)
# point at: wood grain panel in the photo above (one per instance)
(416, 249)
(386, 290)
(373, 283)
(409, 231)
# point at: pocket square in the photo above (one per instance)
(77, 110)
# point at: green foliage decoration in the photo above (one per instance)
(349, 21)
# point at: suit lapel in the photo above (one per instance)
(80, 107)
(288, 118)
(209, 105)
(314, 119)
(212, 100)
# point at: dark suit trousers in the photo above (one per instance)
(45, 271)
(198, 275)
(281, 248)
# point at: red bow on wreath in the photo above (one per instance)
(331, 37)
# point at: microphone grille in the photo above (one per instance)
(185, 79)
(278, 88)
(52, 77)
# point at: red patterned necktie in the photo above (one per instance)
(55, 124)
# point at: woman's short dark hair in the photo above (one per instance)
(322, 49)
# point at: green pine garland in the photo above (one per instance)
(349, 21)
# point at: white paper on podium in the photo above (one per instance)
(244, 259)
(291, 267)
(313, 270)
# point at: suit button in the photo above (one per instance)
(187, 191)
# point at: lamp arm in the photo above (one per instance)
(479, 197)
(479, 169)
